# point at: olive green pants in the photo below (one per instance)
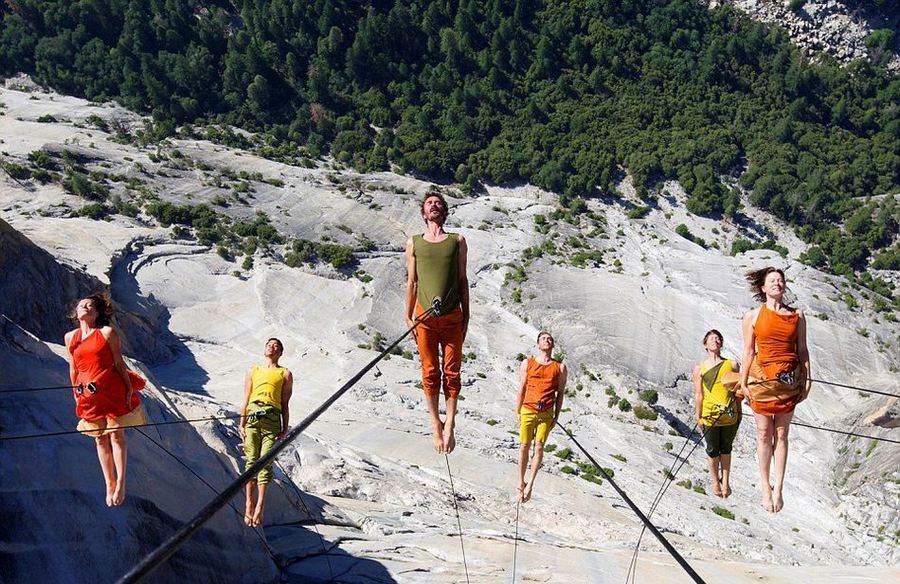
(259, 437)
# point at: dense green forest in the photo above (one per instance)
(561, 94)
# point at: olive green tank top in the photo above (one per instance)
(437, 271)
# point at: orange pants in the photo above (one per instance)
(439, 334)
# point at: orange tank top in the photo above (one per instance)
(93, 362)
(541, 385)
(776, 341)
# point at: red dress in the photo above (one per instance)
(93, 360)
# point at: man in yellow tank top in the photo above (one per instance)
(436, 271)
(542, 388)
(264, 421)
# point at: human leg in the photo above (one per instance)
(728, 435)
(451, 340)
(765, 434)
(120, 459)
(269, 429)
(782, 423)
(536, 460)
(250, 502)
(713, 438)
(524, 449)
(107, 466)
(252, 448)
(427, 342)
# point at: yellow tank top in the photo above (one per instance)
(716, 396)
(266, 384)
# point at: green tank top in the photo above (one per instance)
(716, 397)
(266, 384)
(437, 271)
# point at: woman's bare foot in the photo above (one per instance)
(118, 495)
(248, 514)
(717, 489)
(726, 490)
(767, 503)
(526, 494)
(110, 490)
(449, 442)
(520, 493)
(777, 501)
(257, 517)
(437, 437)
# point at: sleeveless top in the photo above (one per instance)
(541, 385)
(93, 362)
(266, 384)
(716, 396)
(437, 271)
(776, 341)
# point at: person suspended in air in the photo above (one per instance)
(717, 411)
(775, 375)
(542, 388)
(105, 390)
(436, 276)
(264, 420)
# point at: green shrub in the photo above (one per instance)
(564, 453)
(723, 512)
(625, 405)
(568, 469)
(17, 171)
(80, 184)
(493, 422)
(686, 483)
(649, 395)
(643, 413)
(95, 211)
(620, 458)
(698, 488)
(638, 212)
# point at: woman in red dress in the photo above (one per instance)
(105, 390)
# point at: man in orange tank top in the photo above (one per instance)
(542, 388)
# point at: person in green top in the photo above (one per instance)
(264, 421)
(436, 276)
(718, 412)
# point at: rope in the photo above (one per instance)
(664, 486)
(516, 544)
(458, 522)
(669, 548)
(29, 389)
(171, 545)
(150, 425)
(262, 539)
(836, 384)
(795, 423)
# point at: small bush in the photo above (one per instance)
(493, 422)
(638, 212)
(649, 395)
(568, 470)
(723, 512)
(698, 488)
(94, 211)
(620, 458)
(46, 119)
(17, 171)
(642, 413)
(564, 453)
(624, 405)
(686, 483)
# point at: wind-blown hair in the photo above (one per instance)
(756, 279)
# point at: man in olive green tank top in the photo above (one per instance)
(436, 270)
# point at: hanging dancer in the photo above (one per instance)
(105, 390)
(436, 276)
(718, 414)
(542, 388)
(264, 421)
(776, 358)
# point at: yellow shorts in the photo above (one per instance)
(97, 428)
(534, 425)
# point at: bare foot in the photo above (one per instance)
(526, 494)
(118, 495)
(449, 442)
(726, 490)
(110, 490)
(778, 501)
(520, 493)
(248, 514)
(767, 503)
(717, 489)
(257, 517)
(437, 437)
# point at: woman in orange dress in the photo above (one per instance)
(775, 375)
(105, 390)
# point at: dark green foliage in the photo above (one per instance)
(644, 413)
(95, 211)
(17, 171)
(556, 93)
(684, 232)
(303, 251)
(80, 184)
(624, 405)
(649, 395)
(740, 245)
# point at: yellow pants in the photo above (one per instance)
(259, 438)
(534, 425)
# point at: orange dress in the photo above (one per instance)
(776, 355)
(93, 361)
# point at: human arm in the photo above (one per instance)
(286, 390)
(248, 387)
(115, 347)
(462, 256)
(749, 350)
(803, 354)
(411, 284)
(698, 395)
(523, 375)
(560, 393)
(73, 373)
